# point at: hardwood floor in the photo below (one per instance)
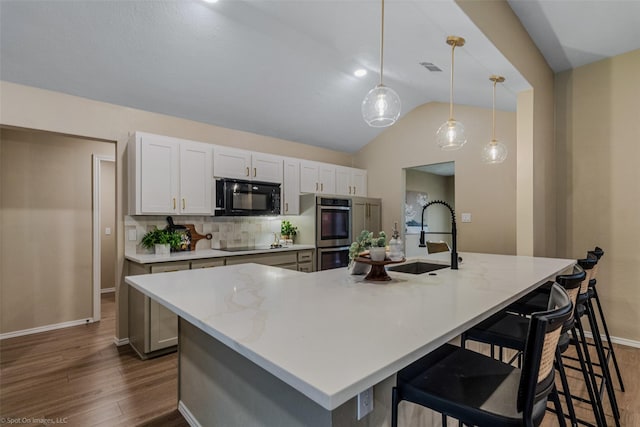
(78, 377)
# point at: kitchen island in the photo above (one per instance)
(261, 345)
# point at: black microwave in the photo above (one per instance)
(236, 197)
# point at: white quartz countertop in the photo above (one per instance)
(331, 335)
(207, 253)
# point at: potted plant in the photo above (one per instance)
(366, 242)
(161, 240)
(287, 230)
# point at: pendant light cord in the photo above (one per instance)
(493, 126)
(453, 47)
(381, 42)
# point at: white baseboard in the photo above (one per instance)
(186, 413)
(107, 290)
(120, 341)
(45, 328)
(616, 340)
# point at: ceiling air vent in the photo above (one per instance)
(430, 66)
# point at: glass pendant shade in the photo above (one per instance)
(381, 106)
(494, 152)
(451, 136)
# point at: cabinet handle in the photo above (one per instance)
(255, 173)
(174, 203)
(322, 186)
(286, 207)
(184, 204)
(247, 170)
(354, 189)
(316, 186)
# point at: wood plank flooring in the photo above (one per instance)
(78, 377)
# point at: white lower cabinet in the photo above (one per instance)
(153, 329)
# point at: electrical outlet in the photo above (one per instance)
(365, 402)
(132, 235)
(466, 217)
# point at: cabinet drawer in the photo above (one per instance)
(169, 266)
(292, 266)
(305, 267)
(207, 263)
(305, 256)
(270, 259)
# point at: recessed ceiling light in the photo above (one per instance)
(360, 72)
(210, 1)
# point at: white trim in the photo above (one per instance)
(45, 328)
(120, 341)
(617, 340)
(107, 290)
(188, 416)
(97, 232)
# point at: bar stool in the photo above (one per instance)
(508, 329)
(598, 253)
(479, 390)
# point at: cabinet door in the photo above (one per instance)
(373, 222)
(163, 323)
(159, 174)
(231, 163)
(309, 177)
(358, 182)
(266, 168)
(291, 187)
(358, 218)
(195, 178)
(343, 181)
(327, 177)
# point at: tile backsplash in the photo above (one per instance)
(226, 232)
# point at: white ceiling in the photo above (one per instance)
(273, 67)
(572, 33)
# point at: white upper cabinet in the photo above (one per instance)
(168, 176)
(195, 178)
(291, 187)
(242, 164)
(316, 177)
(351, 181)
(231, 163)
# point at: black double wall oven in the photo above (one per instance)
(333, 232)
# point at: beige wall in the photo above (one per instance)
(46, 222)
(598, 137)
(108, 250)
(33, 108)
(536, 204)
(488, 192)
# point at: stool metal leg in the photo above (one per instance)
(394, 407)
(603, 362)
(606, 332)
(590, 373)
(565, 388)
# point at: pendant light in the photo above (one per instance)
(450, 135)
(494, 152)
(381, 106)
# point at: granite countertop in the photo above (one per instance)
(332, 335)
(207, 253)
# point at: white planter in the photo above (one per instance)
(377, 254)
(163, 249)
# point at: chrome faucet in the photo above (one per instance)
(454, 233)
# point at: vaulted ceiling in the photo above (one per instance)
(276, 68)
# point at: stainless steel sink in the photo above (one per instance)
(417, 267)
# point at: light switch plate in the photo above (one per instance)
(132, 235)
(107, 231)
(466, 217)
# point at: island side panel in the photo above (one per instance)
(220, 387)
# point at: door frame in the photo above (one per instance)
(97, 232)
